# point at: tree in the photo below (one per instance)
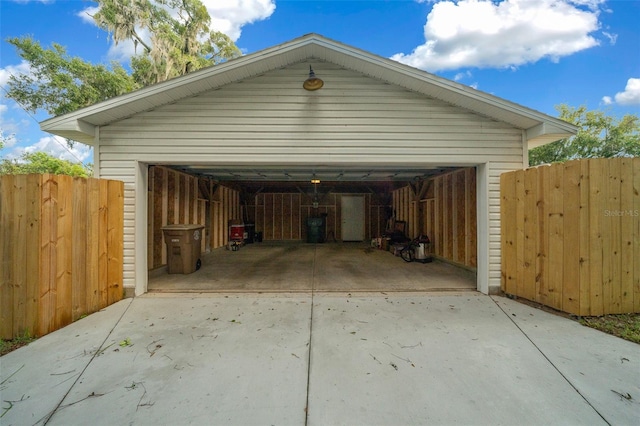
(41, 162)
(180, 42)
(600, 136)
(59, 83)
(6, 140)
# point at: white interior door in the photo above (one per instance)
(352, 217)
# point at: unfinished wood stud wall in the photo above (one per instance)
(283, 216)
(446, 212)
(175, 198)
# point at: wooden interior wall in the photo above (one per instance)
(283, 216)
(175, 198)
(571, 235)
(61, 248)
(405, 209)
(225, 206)
(455, 220)
(445, 209)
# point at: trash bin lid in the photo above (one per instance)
(182, 227)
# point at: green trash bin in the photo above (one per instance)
(183, 248)
(315, 229)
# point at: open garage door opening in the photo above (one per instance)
(325, 228)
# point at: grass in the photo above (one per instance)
(625, 326)
(7, 346)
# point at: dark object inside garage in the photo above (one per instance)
(332, 235)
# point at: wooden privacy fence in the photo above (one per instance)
(61, 250)
(571, 235)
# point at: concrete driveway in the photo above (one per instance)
(322, 359)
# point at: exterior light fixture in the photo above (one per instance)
(315, 181)
(312, 83)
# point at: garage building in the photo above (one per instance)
(243, 140)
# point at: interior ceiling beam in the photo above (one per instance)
(324, 173)
(355, 180)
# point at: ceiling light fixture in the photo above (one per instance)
(316, 200)
(312, 83)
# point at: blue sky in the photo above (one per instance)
(538, 53)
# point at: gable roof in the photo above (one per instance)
(81, 125)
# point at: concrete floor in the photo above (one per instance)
(299, 267)
(396, 359)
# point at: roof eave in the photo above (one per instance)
(547, 132)
(71, 128)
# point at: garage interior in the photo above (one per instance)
(345, 254)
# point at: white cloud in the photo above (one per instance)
(459, 76)
(612, 37)
(7, 128)
(6, 72)
(13, 120)
(483, 33)
(229, 16)
(630, 96)
(57, 147)
(86, 15)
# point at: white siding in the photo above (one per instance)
(270, 119)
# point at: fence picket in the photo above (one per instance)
(635, 193)
(519, 232)
(508, 223)
(571, 243)
(93, 245)
(19, 254)
(613, 222)
(79, 249)
(103, 257)
(556, 237)
(626, 235)
(530, 234)
(64, 245)
(7, 215)
(585, 255)
(115, 243)
(32, 264)
(596, 241)
(48, 250)
(542, 276)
